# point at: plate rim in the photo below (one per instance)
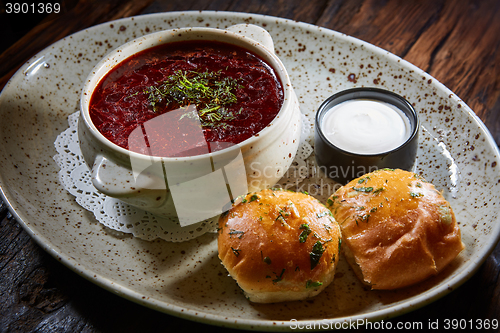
(234, 322)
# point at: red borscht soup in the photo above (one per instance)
(186, 98)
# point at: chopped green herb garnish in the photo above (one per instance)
(313, 284)
(445, 213)
(323, 213)
(280, 277)
(236, 251)
(267, 260)
(254, 197)
(208, 90)
(362, 218)
(364, 180)
(280, 218)
(416, 194)
(316, 253)
(282, 214)
(378, 190)
(305, 232)
(236, 232)
(329, 202)
(363, 189)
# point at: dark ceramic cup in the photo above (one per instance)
(343, 166)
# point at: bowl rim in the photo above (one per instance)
(367, 93)
(109, 61)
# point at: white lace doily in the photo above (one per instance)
(119, 216)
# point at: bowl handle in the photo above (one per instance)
(254, 32)
(147, 189)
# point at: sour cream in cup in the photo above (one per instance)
(366, 126)
(360, 130)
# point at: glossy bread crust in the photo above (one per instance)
(397, 228)
(279, 245)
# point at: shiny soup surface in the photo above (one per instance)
(186, 98)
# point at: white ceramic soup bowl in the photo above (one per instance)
(194, 188)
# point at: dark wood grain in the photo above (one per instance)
(74, 16)
(457, 42)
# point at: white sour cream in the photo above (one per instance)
(364, 126)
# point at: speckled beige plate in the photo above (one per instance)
(457, 153)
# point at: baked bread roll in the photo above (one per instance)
(397, 228)
(279, 245)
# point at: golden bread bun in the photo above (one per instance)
(397, 228)
(279, 245)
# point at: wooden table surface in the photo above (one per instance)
(457, 42)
